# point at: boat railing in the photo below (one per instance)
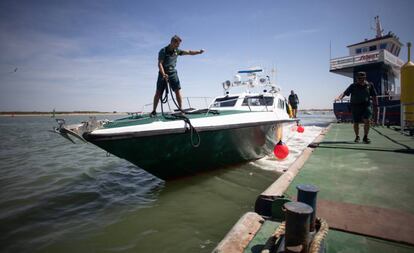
(188, 102)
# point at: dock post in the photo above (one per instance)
(297, 227)
(307, 194)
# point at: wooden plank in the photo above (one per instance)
(241, 234)
(386, 224)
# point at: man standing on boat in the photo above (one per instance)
(293, 101)
(361, 93)
(167, 60)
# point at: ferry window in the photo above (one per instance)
(397, 51)
(257, 101)
(225, 102)
(358, 50)
(373, 48)
(364, 49)
(392, 48)
(383, 45)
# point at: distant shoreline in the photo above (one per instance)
(57, 114)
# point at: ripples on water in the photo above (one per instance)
(50, 186)
(59, 197)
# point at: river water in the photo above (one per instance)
(61, 197)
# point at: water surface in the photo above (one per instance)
(61, 197)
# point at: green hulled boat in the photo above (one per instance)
(235, 128)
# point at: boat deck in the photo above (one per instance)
(366, 191)
(142, 119)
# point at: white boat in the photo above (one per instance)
(235, 128)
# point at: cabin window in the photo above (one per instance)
(257, 101)
(225, 101)
(373, 48)
(392, 48)
(397, 51)
(383, 45)
(281, 104)
(358, 50)
(364, 49)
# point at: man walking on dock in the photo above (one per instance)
(362, 93)
(293, 101)
(167, 60)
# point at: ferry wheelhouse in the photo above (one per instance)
(378, 57)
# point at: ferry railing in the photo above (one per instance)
(380, 55)
(380, 118)
(402, 114)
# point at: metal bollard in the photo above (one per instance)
(307, 194)
(297, 227)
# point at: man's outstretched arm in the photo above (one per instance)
(192, 52)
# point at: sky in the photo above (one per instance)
(102, 55)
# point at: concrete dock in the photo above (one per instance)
(366, 193)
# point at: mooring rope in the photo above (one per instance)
(319, 236)
(316, 243)
(193, 131)
(280, 230)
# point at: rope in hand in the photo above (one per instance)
(193, 131)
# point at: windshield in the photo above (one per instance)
(257, 101)
(225, 101)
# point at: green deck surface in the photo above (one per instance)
(258, 242)
(379, 174)
(340, 242)
(337, 242)
(146, 119)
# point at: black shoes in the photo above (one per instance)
(153, 114)
(366, 140)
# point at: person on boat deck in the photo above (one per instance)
(361, 107)
(167, 60)
(293, 101)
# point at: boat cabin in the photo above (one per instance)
(259, 94)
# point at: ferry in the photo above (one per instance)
(378, 57)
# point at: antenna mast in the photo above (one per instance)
(378, 27)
